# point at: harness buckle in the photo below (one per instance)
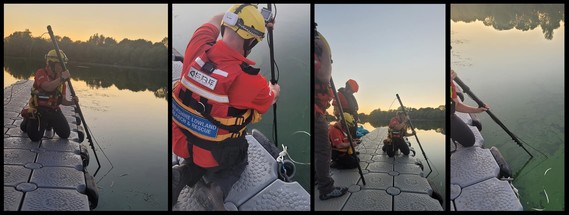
(208, 67)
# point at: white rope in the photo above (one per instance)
(284, 153)
(12, 90)
(509, 179)
(546, 171)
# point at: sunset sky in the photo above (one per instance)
(387, 49)
(80, 21)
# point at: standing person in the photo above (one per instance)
(349, 103)
(342, 154)
(43, 113)
(397, 130)
(460, 132)
(323, 96)
(218, 95)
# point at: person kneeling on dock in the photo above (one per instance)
(48, 92)
(342, 154)
(397, 130)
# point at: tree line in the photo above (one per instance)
(98, 49)
(379, 118)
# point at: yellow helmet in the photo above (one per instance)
(51, 56)
(349, 119)
(246, 21)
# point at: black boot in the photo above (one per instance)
(215, 195)
(24, 124)
(187, 173)
(180, 174)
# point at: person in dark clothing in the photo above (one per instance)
(323, 94)
(349, 103)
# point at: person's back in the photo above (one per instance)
(218, 95)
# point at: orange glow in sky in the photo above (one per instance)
(80, 21)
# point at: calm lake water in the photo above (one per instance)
(512, 58)
(292, 54)
(433, 141)
(127, 112)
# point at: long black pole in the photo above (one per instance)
(273, 80)
(343, 121)
(56, 46)
(416, 138)
(467, 90)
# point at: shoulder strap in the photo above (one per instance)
(249, 69)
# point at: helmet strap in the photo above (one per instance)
(253, 43)
(245, 47)
(248, 45)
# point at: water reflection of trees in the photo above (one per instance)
(507, 16)
(100, 76)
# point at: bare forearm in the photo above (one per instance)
(461, 107)
(67, 102)
(345, 145)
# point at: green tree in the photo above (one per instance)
(97, 49)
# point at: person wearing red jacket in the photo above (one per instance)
(218, 95)
(349, 103)
(397, 130)
(342, 154)
(43, 114)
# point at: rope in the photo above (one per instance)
(10, 99)
(12, 90)
(389, 108)
(104, 154)
(303, 132)
(284, 153)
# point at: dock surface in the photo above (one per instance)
(475, 185)
(48, 175)
(392, 184)
(258, 189)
